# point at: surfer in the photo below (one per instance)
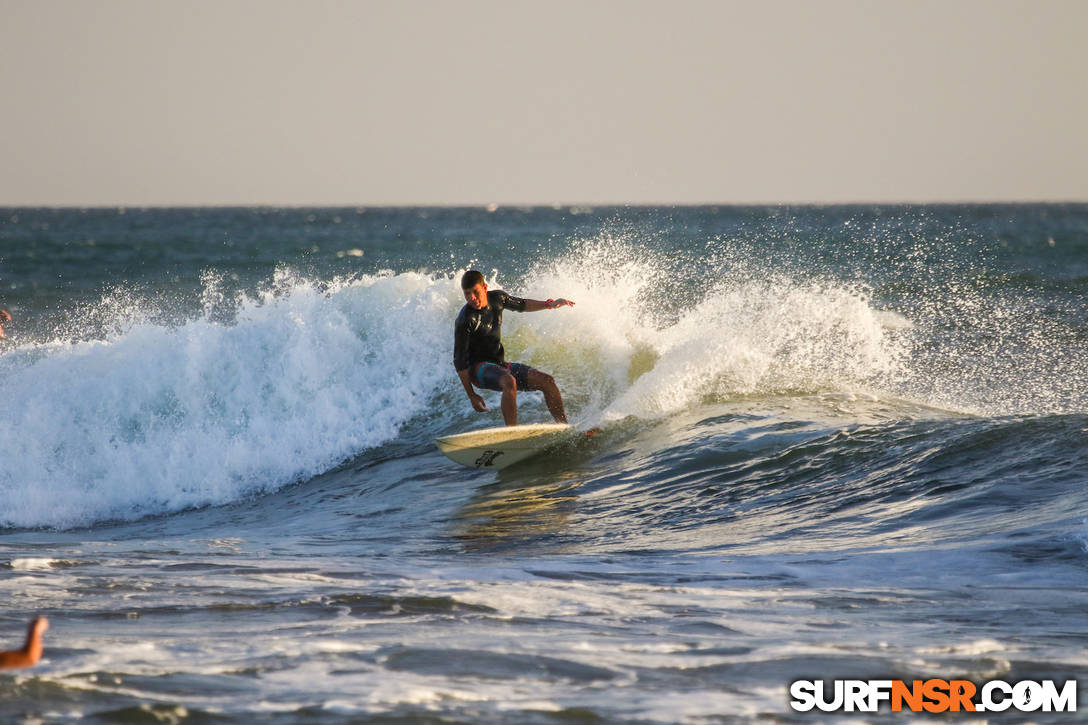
(31, 652)
(478, 355)
(5, 316)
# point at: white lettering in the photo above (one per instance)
(879, 691)
(1027, 696)
(821, 696)
(1064, 701)
(855, 696)
(989, 704)
(803, 693)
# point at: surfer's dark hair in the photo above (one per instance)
(471, 278)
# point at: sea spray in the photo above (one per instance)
(644, 342)
(765, 337)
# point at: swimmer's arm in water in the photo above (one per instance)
(31, 652)
(537, 305)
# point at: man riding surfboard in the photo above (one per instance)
(478, 355)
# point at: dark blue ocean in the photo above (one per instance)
(835, 442)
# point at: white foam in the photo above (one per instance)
(158, 418)
(631, 347)
(893, 320)
(974, 647)
(32, 564)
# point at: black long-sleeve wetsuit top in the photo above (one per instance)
(477, 335)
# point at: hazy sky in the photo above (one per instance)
(148, 102)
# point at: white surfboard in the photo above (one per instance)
(497, 448)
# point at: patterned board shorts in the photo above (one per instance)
(488, 374)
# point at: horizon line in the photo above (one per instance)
(495, 206)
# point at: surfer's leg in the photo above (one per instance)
(546, 384)
(492, 376)
(509, 388)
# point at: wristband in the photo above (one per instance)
(550, 303)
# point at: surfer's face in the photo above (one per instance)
(477, 296)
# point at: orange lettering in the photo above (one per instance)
(937, 692)
(912, 695)
(961, 692)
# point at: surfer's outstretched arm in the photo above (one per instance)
(5, 316)
(536, 305)
(31, 652)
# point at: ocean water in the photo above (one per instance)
(834, 442)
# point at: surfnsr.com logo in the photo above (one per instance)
(933, 696)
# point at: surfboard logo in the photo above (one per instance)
(488, 458)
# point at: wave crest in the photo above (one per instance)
(158, 418)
